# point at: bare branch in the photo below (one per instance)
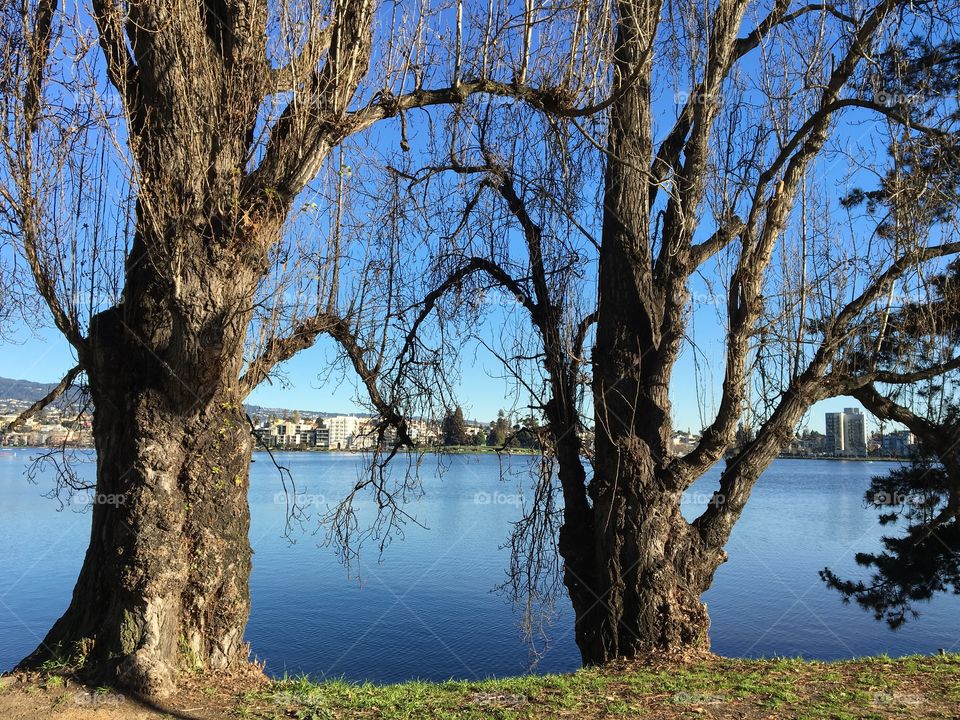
(43, 402)
(110, 17)
(298, 69)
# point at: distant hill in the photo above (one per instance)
(23, 390)
(265, 412)
(29, 391)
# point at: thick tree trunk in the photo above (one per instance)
(164, 586)
(646, 566)
(654, 579)
(650, 569)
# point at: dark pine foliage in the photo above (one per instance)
(454, 428)
(921, 561)
(920, 501)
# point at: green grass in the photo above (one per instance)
(53, 682)
(874, 688)
(65, 660)
(783, 688)
(472, 449)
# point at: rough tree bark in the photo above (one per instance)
(650, 565)
(165, 582)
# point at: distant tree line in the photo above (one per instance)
(499, 433)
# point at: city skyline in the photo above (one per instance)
(49, 359)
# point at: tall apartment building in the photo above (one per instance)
(846, 433)
(350, 432)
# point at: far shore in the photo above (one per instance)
(472, 450)
(854, 458)
(431, 449)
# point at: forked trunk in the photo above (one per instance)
(649, 569)
(641, 567)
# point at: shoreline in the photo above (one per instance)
(431, 450)
(869, 458)
(463, 450)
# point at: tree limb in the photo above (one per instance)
(109, 15)
(38, 51)
(812, 385)
(285, 78)
(884, 407)
(43, 402)
(277, 350)
(745, 298)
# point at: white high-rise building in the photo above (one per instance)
(342, 428)
(846, 433)
(349, 432)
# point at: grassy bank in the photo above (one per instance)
(912, 687)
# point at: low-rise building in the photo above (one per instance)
(683, 442)
(899, 443)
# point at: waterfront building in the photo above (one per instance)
(846, 433)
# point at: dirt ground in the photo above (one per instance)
(34, 698)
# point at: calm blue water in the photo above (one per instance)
(427, 607)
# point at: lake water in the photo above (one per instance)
(427, 608)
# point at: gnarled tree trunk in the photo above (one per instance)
(644, 565)
(165, 582)
(652, 572)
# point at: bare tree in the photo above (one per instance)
(915, 198)
(204, 155)
(735, 188)
(174, 177)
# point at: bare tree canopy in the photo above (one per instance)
(193, 191)
(175, 177)
(701, 199)
(917, 196)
